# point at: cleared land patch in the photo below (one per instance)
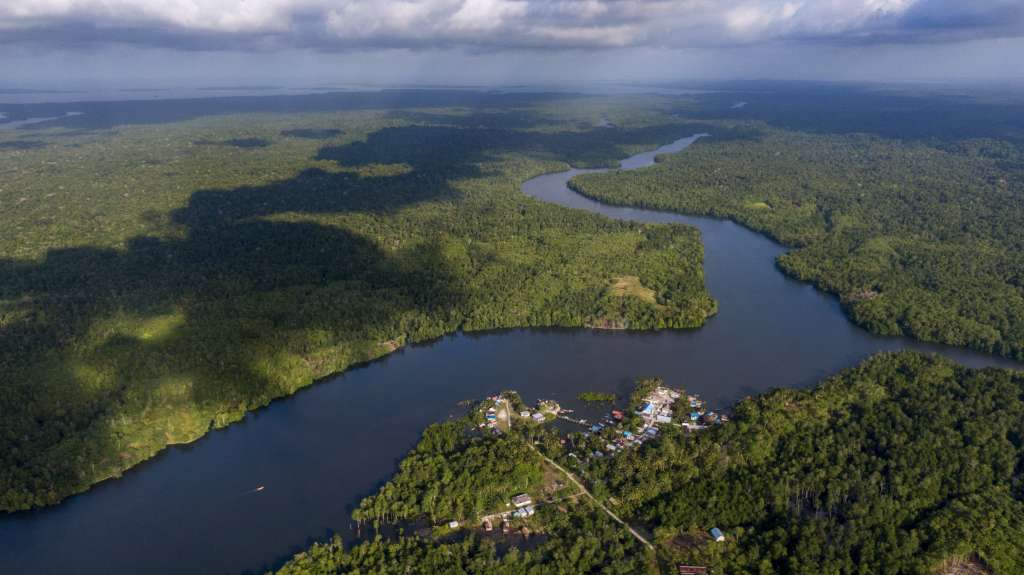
(630, 286)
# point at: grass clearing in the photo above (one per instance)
(630, 286)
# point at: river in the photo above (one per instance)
(193, 509)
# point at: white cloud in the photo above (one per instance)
(487, 15)
(339, 24)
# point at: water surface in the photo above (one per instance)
(193, 509)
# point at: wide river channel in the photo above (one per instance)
(193, 509)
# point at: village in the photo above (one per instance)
(621, 430)
(522, 507)
(500, 411)
(618, 430)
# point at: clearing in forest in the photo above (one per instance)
(630, 285)
(971, 565)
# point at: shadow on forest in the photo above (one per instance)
(312, 133)
(19, 145)
(516, 118)
(249, 302)
(244, 293)
(432, 148)
(242, 143)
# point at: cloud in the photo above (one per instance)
(958, 19)
(340, 25)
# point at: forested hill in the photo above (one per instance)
(159, 281)
(905, 464)
(920, 237)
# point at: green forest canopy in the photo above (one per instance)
(922, 238)
(160, 281)
(902, 465)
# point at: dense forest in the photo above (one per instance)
(459, 473)
(157, 282)
(895, 466)
(454, 476)
(165, 270)
(905, 464)
(917, 237)
(924, 113)
(580, 541)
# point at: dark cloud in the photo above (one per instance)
(332, 25)
(944, 19)
(170, 43)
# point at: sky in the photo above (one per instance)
(504, 42)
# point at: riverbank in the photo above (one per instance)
(716, 498)
(938, 261)
(182, 512)
(247, 273)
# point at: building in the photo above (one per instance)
(692, 570)
(549, 406)
(538, 417)
(525, 512)
(524, 414)
(522, 500)
(717, 534)
(453, 524)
